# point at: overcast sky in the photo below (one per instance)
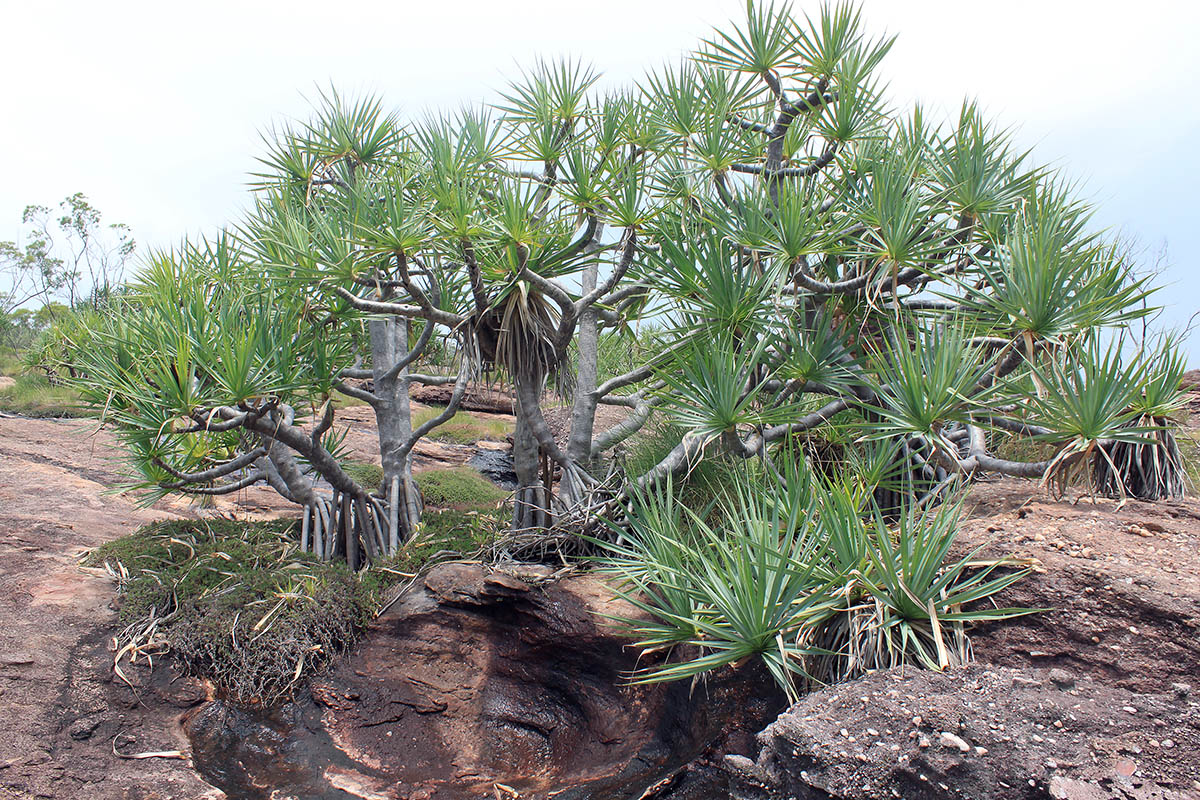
(154, 110)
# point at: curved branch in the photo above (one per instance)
(399, 309)
(204, 424)
(478, 292)
(807, 171)
(835, 287)
(460, 387)
(805, 423)
(815, 99)
(547, 287)
(640, 373)
(748, 125)
(1016, 426)
(325, 423)
(628, 426)
(413, 354)
(355, 392)
(298, 440)
(979, 459)
(628, 251)
(682, 456)
(1016, 469)
(219, 471)
(228, 488)
(579, 245)
(427, 306)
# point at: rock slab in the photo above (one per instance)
(976, 734)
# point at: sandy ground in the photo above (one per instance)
(55, 682)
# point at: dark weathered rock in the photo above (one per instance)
(978, 734)
(479, 679)
(475, 398)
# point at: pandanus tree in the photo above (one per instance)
(367, 241)
(219, 365)
(816, 260)
(835, 263)
(513, 230)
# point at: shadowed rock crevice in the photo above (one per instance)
(478, 679)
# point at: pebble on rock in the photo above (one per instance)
(949, 740)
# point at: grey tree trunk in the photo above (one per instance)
(531, 506)
(393, 415)
(284, 475)
(583, 411)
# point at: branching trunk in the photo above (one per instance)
(583, 411)
(393, 414)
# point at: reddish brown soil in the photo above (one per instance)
(60, 706)
(1122, 583)
(62, 712)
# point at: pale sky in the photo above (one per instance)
(154, 110)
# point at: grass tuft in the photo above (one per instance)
(459, 488)
(34, 396)
(237, 602)
(464, 427)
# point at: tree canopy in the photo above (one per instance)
(819, 262)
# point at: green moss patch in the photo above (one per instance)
(460, 488)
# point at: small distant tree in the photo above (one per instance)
(30, 275)
(71, 257)
(62, 265)
(815, 261)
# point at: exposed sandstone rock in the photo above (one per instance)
(476, 680)
(475, 398)
(976, 734)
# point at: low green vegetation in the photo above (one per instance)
(464, 427)
(35, 396)
(10, 361)
(460, 488)
(365, 473)
(805, 573)
(239, 604)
